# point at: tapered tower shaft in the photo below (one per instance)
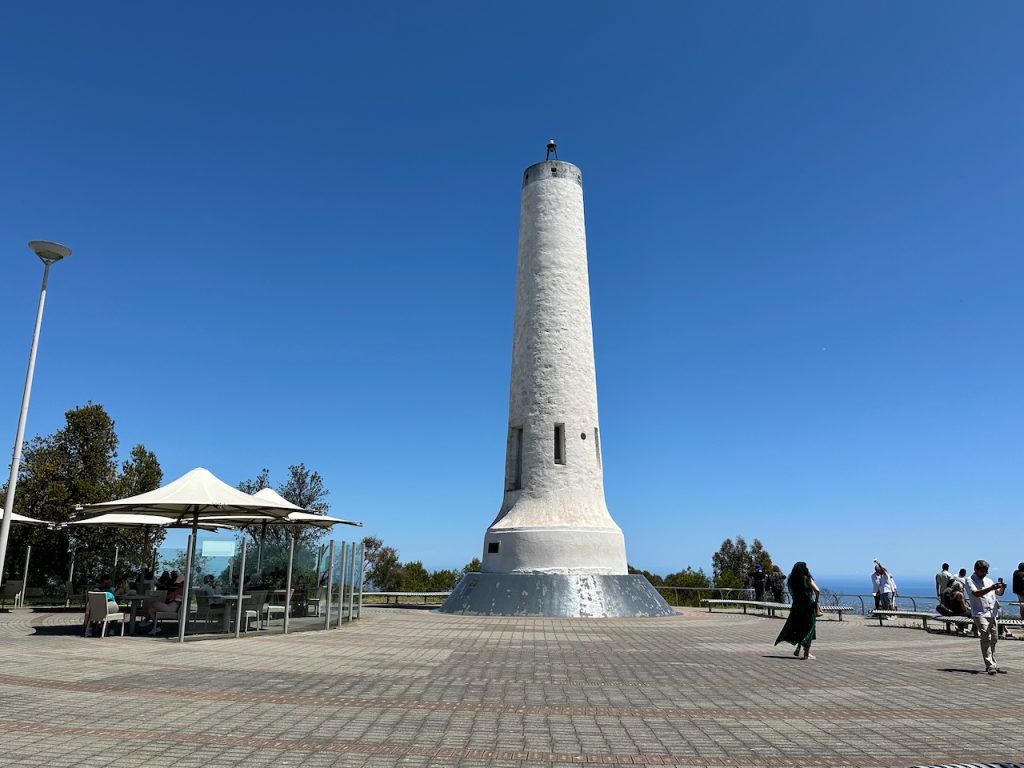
(553, 517)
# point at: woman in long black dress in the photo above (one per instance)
(799, 628)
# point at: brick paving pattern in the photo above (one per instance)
(418, 688)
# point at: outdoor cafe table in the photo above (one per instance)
(136, 601)
(230, 602)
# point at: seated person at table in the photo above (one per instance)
(209, 588)
(171, 604)
(166, 580)
(105, 585)
(148, 581)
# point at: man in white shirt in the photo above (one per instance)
(942, 579)
(983, 593)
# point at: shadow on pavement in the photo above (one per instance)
(963, 671)
(66, 630)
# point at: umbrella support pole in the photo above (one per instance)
(24, 579)
(69, 587)
(241, 591)
(186, 597)
(288, 584)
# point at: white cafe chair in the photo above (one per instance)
(104, 611)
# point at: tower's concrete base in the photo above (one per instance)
(554, 594)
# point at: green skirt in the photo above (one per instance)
(799, 628)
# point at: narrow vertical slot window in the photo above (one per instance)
(514, 460)
(597, 446)
(559, 443)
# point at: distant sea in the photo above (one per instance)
(861, 585)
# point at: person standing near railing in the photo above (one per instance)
(777, 584)
(942, 579)
(884, 586)
(757, 579)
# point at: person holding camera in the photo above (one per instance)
(984, 609)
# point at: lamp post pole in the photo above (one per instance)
(49, 253)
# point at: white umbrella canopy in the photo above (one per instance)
(16, 518)
(123, 520)
(320, 521)
(293, 518)
(270, 494)
(196, 493)
(298, 515)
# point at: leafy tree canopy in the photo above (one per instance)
(688, 578)
(77, 464)
(305, 489)
(383, 568)
(734, 561)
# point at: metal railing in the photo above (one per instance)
(859, 604)
(399, 595)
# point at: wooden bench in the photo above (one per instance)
(772, 607)
(960, 622)
(882, 614)
(839, 610)
(966, 622)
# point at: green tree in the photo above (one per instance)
(140, 473)
(416, 579)
(382, 567)
(734, 561)
(688, 578)
(253, 486)
(473, 566)
(444, 580)
(305, 489)
(78, 465)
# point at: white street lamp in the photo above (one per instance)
(50, 253)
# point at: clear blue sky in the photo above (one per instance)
(294, 233)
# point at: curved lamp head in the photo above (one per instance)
(49, 252)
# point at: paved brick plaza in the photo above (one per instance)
(417, 688)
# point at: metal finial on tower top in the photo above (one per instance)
(552, 150)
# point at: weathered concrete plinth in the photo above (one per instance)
(555, 594)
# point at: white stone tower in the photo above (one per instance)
(553, 548)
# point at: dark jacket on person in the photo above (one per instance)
(1018, 582)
